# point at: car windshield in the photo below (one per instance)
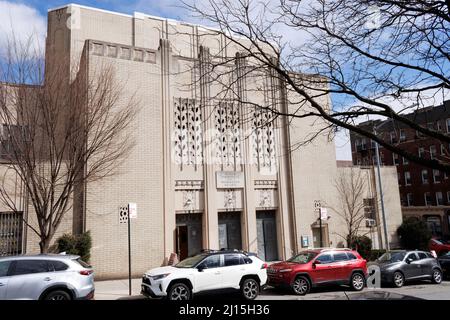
(190, 262)
(392, 257)
(82, 263)
(303, 257)
(440, 241)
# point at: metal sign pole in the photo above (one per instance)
(129, 252)
(320, 227)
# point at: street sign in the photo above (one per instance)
(132, 210)
(305, 242)
(317, 206)
(323, 213)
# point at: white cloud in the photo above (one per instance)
(19, 22)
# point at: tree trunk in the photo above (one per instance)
(44, 245)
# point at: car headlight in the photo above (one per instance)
(285, 270)
(159, 276)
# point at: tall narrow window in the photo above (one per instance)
(263, 140)
(395, 159)
(228, 140)
(433, 152)
(409, 199)
(439, 199)
(188, 135)
(436, 176)
(427, 199)
(393, 137)
(407, 178)
(421, 152)
(424, 176)
(402, 135)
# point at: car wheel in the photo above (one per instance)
(301, 286)
(436, 277)
(399, 279)
(179, 291)
(58, 295)
(357, 281)
(250, 289)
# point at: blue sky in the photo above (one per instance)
(164, 8)
(25, 16)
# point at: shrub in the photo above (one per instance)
(414, 234)
(79, 245)
(362, 244)
(375, 254)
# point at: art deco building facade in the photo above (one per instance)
(205, 171)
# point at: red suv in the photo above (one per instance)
(441, 247)
(316, 267)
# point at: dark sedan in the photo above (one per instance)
(444, 260)
(397, 267)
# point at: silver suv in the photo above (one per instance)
(45, 277)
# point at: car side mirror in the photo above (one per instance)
(201, 268)
(409, 260)
(315, 263)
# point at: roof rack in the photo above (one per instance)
(331, 249)
(227, 250)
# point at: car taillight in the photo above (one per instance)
(86, 272)
(264, 266)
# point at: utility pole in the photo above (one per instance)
(387, 246)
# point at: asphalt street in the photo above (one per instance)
(424, 290)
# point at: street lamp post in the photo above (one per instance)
(383, 212)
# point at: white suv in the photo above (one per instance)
(214, 270)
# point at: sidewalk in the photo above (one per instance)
(115, 289)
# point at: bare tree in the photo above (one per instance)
(371, 56)
(351, 190)
(61, 130)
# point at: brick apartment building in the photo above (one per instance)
(424, 192)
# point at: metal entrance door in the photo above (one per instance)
(188, 235)
(223, 236)
(230, 230)
(267, 235)
(11, 230)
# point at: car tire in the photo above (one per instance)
(357, 282)
(398, 279)
(179, 291)
(301, 286)
(436, 276)
(58, 295)
(250, 289)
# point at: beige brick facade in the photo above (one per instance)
(268, 189)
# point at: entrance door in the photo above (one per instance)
(188, 235)
(230, 230)
(316, 237)
(223, 236)
(182, 242)
(267, 235)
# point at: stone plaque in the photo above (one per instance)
(229, 180)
